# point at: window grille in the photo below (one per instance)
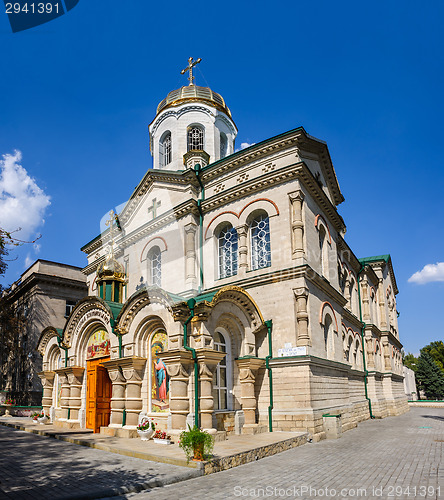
(227, 252)
(195, 138)
(260, 242)
(155, 259)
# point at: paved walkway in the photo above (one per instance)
(394, 458)
(36, 467)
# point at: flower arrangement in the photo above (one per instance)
(146, 425)
(161, 435)
(9, 402)
(36, 415)
(196, 443)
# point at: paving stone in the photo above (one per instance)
(376, 457)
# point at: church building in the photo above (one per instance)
(224, 293)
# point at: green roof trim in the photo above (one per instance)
(376, 258)
(115, 307)
(206, 296)
(60, 331)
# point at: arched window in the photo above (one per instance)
(227, 243)
(260, 242)
(223, 145)
(155, 266)
(220, 377)
(323, 252)
(195, 138)
(328, 336)
(165, 149)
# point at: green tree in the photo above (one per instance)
(436, 350)
(410, 361)
(429, 376)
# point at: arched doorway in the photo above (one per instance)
(98, 383)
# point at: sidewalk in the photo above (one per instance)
(235, 451)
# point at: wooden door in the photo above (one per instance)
(98, 395)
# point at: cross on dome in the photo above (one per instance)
(189, 68)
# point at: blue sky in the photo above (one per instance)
(77, 95)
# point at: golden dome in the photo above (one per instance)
(192, 93)
(110, 269)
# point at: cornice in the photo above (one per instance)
(273, 178)
(297, 137)
(36, 278)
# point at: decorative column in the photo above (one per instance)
(303, 335)
(190, 252)
(115, 374)
(242, 232)
(64, 396)
(132, 368)
(47, 378)
(208, 360)
(365, 299)
(75, 380)
(248, 368)
(382, 311)
(179, 364)
(297, 224)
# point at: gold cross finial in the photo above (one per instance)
(189, 68)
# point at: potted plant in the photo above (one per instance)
(35, 416)
(9, 402)
(146, 429)
(196, 443)
(161, 437)
(42, 418)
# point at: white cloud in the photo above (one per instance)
(245, 145)
(22, 202)
(429, 273)
(28, 261)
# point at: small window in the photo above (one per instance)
(165, 150)
(223, 145)
(260, 242)
(227, 252)
(220, 384)
(70, 304)
(155, 263)
(195, 138)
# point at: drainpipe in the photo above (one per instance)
(269, 325)
(191, 304)
(363, 345)
(197, 171)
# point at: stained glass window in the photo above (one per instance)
(260, 242)
(227, 252)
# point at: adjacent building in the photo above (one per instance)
(46, 293)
